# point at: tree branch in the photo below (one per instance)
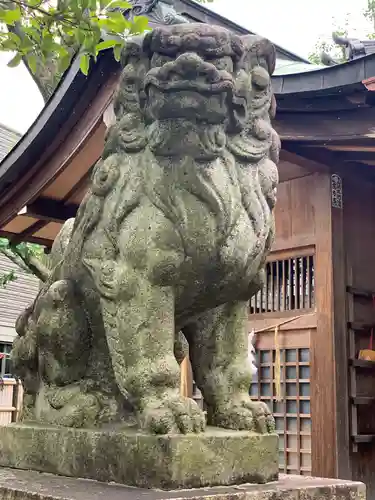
(15, 259)
(32, 263)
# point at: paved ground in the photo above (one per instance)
(27, 485)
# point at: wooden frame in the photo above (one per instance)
(330, 426)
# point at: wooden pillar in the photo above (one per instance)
(329, 362)
(186, 385)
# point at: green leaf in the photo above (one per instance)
(139, 25)
(120, 4)
(85, 63)
(88, 42)
(15, 61)
(33, 3)
(64, 63)
(10, 41)
(107, 44)
(10, 16)
(97, 34)
(32, 62)
(118, 23)
(117, 52)
(7, 278)
(79, 35)
(32, 33)
(61, 51)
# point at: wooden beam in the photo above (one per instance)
(350, 147)
(27, 233)
(290, 155)
(362, 156)
(51, 210)
(84, 180)
(331, 161)
(31, 239)
(329, 401)
(340, 332)
(323, 407)
(290, 170)
(331, 127)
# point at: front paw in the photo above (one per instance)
(178, 415)
(244, 414)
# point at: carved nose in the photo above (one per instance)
(190, 66)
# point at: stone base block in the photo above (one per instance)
(217, 457)
(30, 485)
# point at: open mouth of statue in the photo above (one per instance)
(187, 102)
(188, 87)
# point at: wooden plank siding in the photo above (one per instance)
(11, 393)
(14, 298)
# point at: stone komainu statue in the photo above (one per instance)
(171, 237)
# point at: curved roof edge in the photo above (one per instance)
(76, 92)
(71, 98)
(326, 79)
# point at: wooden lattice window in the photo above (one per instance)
(289, 285)
(292, 414)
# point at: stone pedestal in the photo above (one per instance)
(216, 457)
(26, 485)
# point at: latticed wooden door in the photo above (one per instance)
(292, 414)
(288, 296)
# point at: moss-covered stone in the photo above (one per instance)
(171, 238)
(216, 457)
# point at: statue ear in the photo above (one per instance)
(258, 51)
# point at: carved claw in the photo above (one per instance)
(244, 414)
(179, 415)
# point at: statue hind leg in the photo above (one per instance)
(219, 357)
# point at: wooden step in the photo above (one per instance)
(357, 292)
(363, 363)
(363, 438)
(363, 400)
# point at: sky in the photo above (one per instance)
(295, 25)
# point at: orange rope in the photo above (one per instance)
(277, 370)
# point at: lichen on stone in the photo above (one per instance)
(169, 243)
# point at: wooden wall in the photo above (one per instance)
(309, 238)
(288, 300)
(359, 235)
(325, 243)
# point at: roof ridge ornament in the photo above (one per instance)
(352, 49)
(159, 12)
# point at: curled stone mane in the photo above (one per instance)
(169, 243)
